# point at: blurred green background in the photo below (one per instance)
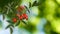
(43, 18)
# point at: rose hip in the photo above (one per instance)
(14, 20)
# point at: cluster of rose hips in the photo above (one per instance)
(20, 16)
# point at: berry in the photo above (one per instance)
(14, 20)
(25, 16)
(21, 17)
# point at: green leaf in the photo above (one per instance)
(27, 9)
(9, 21)
(35, 3)
(8, 26)
(11, 30)
(17, 23)
(3, 17)
(24, 22)
(29, 4)
(4, 11)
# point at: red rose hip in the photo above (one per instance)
(25, 16)
(21, 17)
(14, 20)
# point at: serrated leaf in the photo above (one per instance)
(17, 23)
